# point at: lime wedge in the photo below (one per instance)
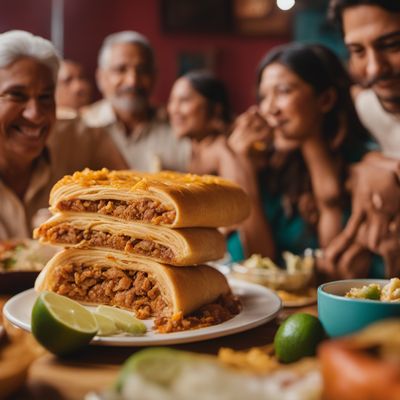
(124, 320)
(159, 365)
(107, 326)
(60, 324)
(166, 369)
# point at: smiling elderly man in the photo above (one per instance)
(126, 76)
(35, 149)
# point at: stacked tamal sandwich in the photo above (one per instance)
(138, 241)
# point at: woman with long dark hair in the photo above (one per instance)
(298, 193)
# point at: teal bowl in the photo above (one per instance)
(342, 315)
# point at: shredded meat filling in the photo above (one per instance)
(141, 210)
(136, 291)
(67, 234)
(223, 309)
(133, 290)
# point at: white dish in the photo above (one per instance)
(260, 305)
(299, 303)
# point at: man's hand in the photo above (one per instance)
(345, 262)
(376, 203)
(375, 220)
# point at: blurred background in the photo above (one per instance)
(227, 36)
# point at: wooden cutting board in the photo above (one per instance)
(52, 378)
(17, 351)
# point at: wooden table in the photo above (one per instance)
(44, 376)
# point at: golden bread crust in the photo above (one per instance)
(198, 201)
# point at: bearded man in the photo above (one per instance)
(126, 76)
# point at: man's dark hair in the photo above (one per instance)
(336, 8)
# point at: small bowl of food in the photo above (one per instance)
(297, 274)
(20, 263)
(347, 306)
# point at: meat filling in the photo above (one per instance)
(141, 210)
(223, 309)
(137, 291)
(67, 234)
(134, 290)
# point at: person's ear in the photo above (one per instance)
(327, 100)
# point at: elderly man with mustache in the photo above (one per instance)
(371, 31)
(126, 76)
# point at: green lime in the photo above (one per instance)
(159, 365)
(124, 320)
(107, 326)
(297, 337)
(60, 324)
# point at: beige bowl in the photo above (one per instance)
(278, 280)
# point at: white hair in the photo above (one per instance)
(130, 37)
(16, 44)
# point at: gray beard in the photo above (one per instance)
(137, 105)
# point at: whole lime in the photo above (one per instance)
(298, 337)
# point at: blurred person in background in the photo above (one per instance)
(126, 76)
(298, 193)
(199, 109)
(35, 149)
(371, 32)
(73, 90)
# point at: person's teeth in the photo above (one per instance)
(31, 133)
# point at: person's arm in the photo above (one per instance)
(343, 257)
(326, 188)
(374, 223)
(236, 163)
(376, 197)
(255, 232)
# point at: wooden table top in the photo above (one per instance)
(41, 375)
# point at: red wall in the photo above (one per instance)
(30, 15)
(87, 22)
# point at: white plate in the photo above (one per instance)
(260, 305)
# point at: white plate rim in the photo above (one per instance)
(260, 305)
